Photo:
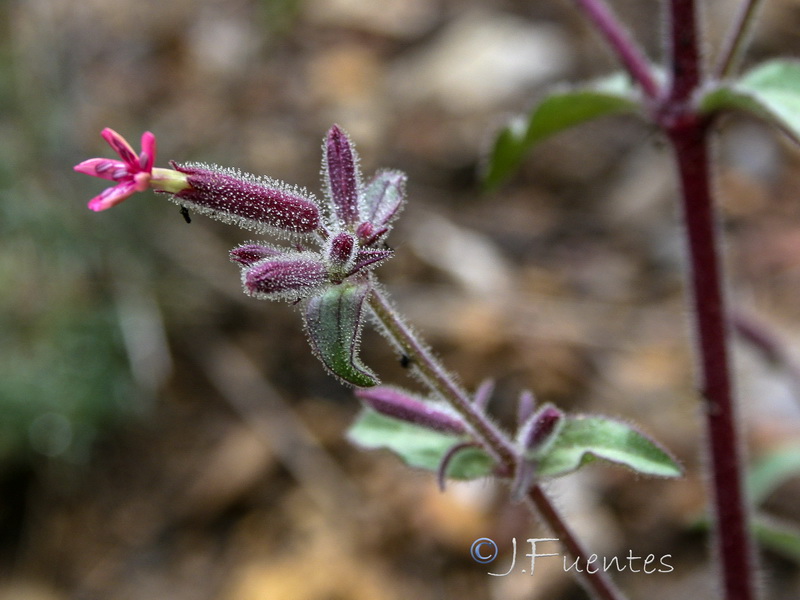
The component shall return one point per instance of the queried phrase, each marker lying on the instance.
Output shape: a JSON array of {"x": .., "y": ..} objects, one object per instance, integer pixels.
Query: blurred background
[{"x": 162, "y": 435}]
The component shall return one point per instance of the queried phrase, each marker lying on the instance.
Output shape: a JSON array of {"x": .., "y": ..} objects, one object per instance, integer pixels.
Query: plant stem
[
  {"x": 437, "y": 377},
  {"x": 688, "y": 133},
  {"x": 727, "y": 493},
  {"x": 737, "y": 39},
  {"x": 769, "y": 343},
  {"x": 684, "y": 53},
  {"x": 629, "y": 53},
  {"x": 598, "y": 584},
  {"x": 490, "y": 437}
]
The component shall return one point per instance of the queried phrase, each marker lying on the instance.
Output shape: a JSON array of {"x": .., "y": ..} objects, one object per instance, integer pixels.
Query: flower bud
[
  {"x": 340, "y": 166},
  {"x": 250, "y": 202},
  {"x": 249, "y": 254},
  {"x": 397, "y": 404},
  {"x": 541, "y": 430},
  {"x": 288, "y": 277},
  {"x": 341, "y": 251}
]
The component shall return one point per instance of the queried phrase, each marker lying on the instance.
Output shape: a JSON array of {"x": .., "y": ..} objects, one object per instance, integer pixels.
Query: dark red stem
[
  {"x": 733, "y": 539},
  {"x": 684, "y": 52},
  {"x": 688, "y": 134}
]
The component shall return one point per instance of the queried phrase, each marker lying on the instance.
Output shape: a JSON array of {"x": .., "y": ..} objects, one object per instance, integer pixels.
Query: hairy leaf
[
  {"x": 383, "y": 197},
  {"x": 418, "y": 446},
  {"x": 555, "y": 112},
  {"x": 585, "y": 439},
  {"x": 333, "y": 320}
]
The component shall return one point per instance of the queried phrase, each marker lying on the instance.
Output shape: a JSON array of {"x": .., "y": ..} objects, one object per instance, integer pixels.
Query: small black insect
[
  {"x": 405, "y": 361},
  {"x": 185, "y": 214}
]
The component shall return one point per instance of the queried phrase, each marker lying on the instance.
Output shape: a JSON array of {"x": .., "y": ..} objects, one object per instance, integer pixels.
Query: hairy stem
[
  {"x": 628, "y": 52},
  {"x": 487, "y": 434},
  {"x": 598, "y": 584},
  {"x": 684, "y": 51},
  {"x": 437, "y": 377},
  {"x": 724, "y": 446},
  {"x": 688, "y": 134},
  {"x": 738, "y": 37}
]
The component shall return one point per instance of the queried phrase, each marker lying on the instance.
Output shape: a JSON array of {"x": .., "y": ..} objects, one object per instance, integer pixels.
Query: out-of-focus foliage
[{"x": 63, "y": 371}]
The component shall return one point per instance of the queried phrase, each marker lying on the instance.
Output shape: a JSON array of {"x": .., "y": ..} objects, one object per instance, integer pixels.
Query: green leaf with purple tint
[
  {"x": 582, "y": 440},
  {"x": 333, "y": 320},
  {"x": 418, "y": 446}
]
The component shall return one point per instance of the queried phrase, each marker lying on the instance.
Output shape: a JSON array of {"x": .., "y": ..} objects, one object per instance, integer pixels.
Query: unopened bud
[
  {"x": 249, "y": 254},
  {"x": 341, "y": 252},
  {"x": 287, "y": 277},
  {"x": 341, "y": 170},
  {"x": 541, "y": 430},
  {"x": 398, "y": 404}
]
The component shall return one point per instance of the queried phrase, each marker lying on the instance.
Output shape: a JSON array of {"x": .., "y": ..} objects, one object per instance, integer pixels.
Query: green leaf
[
  {"x": 555, "y": 112},
  {"x": 584, "y": 439},
  {"x": 772, "y": 471},
  {"x": 333, "y": 320},
  {"x": 418, "y": 446},
  {"x": 770, "y": 91},
  {"x": 780, "y": 537}
]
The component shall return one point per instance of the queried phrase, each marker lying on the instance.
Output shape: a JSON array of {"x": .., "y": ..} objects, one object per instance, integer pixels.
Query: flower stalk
[{"x": 490, "y": 437}]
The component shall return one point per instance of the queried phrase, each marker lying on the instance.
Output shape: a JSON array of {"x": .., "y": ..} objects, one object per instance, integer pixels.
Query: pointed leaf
[
  {"x": 770, "y": 91},
  {"x": 584, "y": 439},
  {"x": 557, "y": 111},
  {"x": 418, "y": 446},
  {"x": 333, "y": 320}
]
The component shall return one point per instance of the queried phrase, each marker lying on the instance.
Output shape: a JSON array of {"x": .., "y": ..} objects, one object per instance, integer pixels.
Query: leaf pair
[
  {"x": 770, "y": 91},
  {"x": 581, "y": 440}
]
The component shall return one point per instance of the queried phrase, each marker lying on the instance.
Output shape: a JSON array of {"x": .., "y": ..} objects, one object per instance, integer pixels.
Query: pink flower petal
[
  {"x": 100, "y": 167},
  {"x": 148, "y": 156},
  {"x": 120, "y": 146},
  {"x": 112, "y": 196}
]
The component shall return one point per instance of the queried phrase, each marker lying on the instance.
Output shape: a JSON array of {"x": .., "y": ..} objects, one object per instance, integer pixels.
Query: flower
[
  {"x": 347, "y": 232},
  {"x": 133, "y": 173},
  {"x": 257, "y": 203}
]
